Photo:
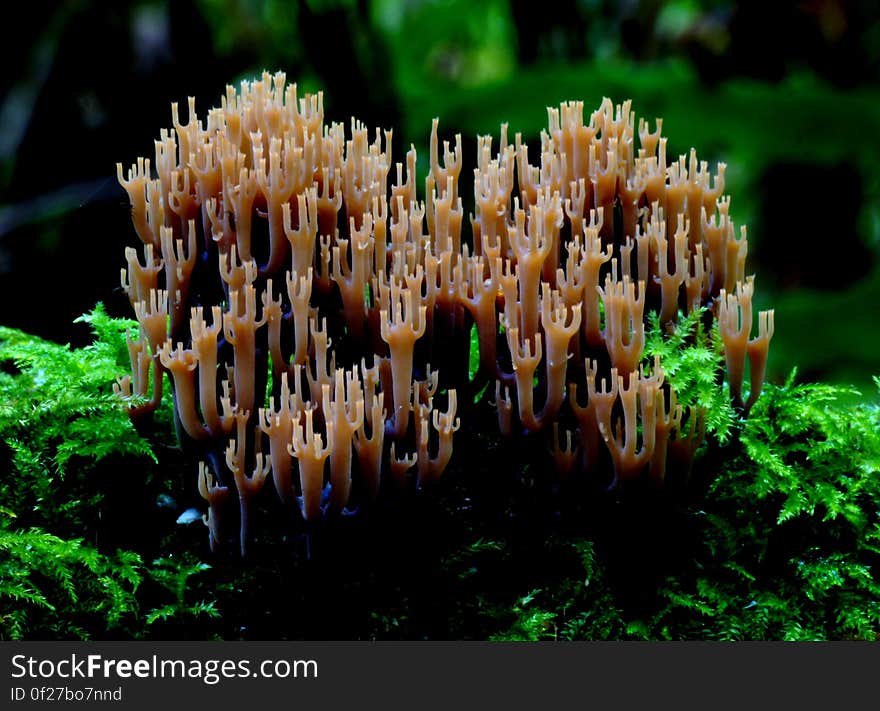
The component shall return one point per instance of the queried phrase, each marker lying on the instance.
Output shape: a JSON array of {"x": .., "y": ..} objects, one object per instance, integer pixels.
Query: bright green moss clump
[
  {"x": 789, "y": 531},
  {"x": 782, "y": 543},
  {"x": 71, "y": 460}
]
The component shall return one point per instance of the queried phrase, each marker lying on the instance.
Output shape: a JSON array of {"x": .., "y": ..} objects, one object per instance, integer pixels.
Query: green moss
[
  {"x": 59, "y": 418},
  {"x": 174, "y": 574},
  {"x": 59, "y": 422},
  {"x": 776, "y": 535},
  {"x": 693, "y": 363},
  {"x": 786, "y": 536},
  {"x": 782, "y": 541},
  {"x": 52, "y": 588}
]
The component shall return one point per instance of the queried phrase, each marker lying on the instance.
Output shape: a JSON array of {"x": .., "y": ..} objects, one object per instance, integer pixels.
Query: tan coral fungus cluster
[{"x": 307, "y": 311}]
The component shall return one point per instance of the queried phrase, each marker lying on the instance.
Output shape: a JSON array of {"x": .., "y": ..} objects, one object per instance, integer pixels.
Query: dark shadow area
[{"x": 813, "y": 244}]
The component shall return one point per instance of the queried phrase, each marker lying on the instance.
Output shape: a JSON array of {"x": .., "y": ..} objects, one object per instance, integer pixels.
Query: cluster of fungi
[{"x": 304, "y": 313}]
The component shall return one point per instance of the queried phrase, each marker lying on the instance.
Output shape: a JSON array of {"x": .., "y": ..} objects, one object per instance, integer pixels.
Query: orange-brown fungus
[{"x": 315, "y": 316}]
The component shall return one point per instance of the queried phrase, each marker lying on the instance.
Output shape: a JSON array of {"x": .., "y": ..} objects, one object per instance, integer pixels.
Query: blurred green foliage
[
  {"x": 464, "y": 63},
  {"x": 725, "y": 79}
]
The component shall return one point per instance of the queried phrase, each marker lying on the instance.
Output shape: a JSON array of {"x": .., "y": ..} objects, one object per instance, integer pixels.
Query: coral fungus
[{"x": 311, "y": 310}]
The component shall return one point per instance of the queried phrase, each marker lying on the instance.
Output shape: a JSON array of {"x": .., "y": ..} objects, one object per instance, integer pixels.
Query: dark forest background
[{"x": 788, "y": 94}]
